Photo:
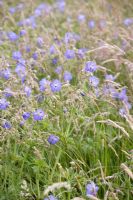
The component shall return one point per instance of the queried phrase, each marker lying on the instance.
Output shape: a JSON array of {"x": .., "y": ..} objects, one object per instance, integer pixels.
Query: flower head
[
  {"x": 91, "y": 189},
  {"x": 69, "y": 54},
  {"x": 16, "y": 55},
  {"x": 53, "y": 139},
  {"x": 6, "y": 73},
  {"x": 55, "y": 85},
  {"x": 90, "y": 67},
  {"x": 12, "y": 36},
  {"x": 27, "y": 91},
  {"x": 6, "y": 125},
  {"x": 38, "y": 115},
  {"x": 67, "y": 76},
  {"x": 91, "y": 24},
  {"x": 94, "y": 81},
  {"x": 50, "y": 197},
  {"x": 42, "y": 84},
  {"x": 3, "y": 104},
  {"x": 26, "y": 115},
  {"x": 81, "y": 18}
]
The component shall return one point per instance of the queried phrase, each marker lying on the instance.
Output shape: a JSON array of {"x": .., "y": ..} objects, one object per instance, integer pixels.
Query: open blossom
[
  {"x": 38, "y": 115},
  {"x": 6, "y": 125},
  {"x": 26, "y": 115},
  {"x": 42, "y": 84},
  {"x": 69, "y": 54},
  {"x": 50, "y": 197},
  {"x": 53, "y": 139},
  {"x": 55, "y": 85},
  {"x": 67, "y": 76},
  {"x": 16, "y": 55},
  {"x": 12, "y": 36},
  {"x": 91, "y": 24},
  {"x": 3, "y": 104},
  {"x": 90, "y": 66},
  {"x": 91, "y": 189},
  {"x": 94, "y": 81}
]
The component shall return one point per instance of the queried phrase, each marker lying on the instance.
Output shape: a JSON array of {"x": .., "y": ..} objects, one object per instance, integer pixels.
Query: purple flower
[
  {"x": 40, "y": 42},
  {"x": 67, "y": 76},
  {"x": 94, "y": 81},
  {"x": 8, "y": 92},
  {"x": 55, "y": 85},
  {"x": 52, "y": 49},
  {"x": 91, "y": 24},
  {"x": 61, "y": 5},
  {"x": 53, "y": 139},
  {"x": 128, "y": 21},
  {"x": 3, "y": 104},
  {"x": 6, "y": 73},
  {"x": 50, "y": 197},
  {"x": 122, "y": 112},
  {"x": 91, "y": 189},
  {"x": 6, "y": 125},
  {"x": 16, "y": 55},
  {"x": 22, "y": 32},
  {"x": 12, "y": 36},
  {"x": 27, "y": 91},
  {"x": 109, "y": 77},
  {"x": 122, "y": 95},
  {"x": 90, "y": 67},
  {"x": 55, "y": 60},
  {"x": 28, "y": 49},
  {"x": 12, "y": 10},
  {"x": 58, "y": 70},
  {"x": 43, "y": 83},
  {"x": 81, "y": 18},
  {"x": 38, "y": 115},
  {"x": 81, "y": 52},
  {"x": 35, "y": 55},
  {"x": 26, "y": 115},
  {"x": 21, "y": 72},
  {"x": 70, "y": 54}
]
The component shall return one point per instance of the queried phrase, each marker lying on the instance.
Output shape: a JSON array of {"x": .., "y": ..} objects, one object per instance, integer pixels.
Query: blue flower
[
  {"x": 55, "y": 85},
  {"x": 6, "y": 125},
  {"x": 12, "y": 36},
  {"x": 8, "y": 92},
  {"x": 21, "y": 71},
  {"x": 40, "y": 42},
  {"x": 94, "y": 81},
  {"x": 91, "y": 189},
  {"x": 50, "y": 197},
  {"x": 22, "y": 32},
  {"x": 6, "y": 73},
  {"x": 12, "y": 10},
  {"x": 3, "y": 104},
  {"x": 27, "y": 91},
  {"x": 122, "y": 112},
  {"x": 81, "y": 18},
  {"x": 58, "y": 70},
  {"x": 26, "y": 115},
  {"x": 35, "y": 55},
  {"x": 70, "y": 54},
  {"x": 109, "y": 77},
  {"x": 90, "y": 67},
  {"x": 67, "y": 76},
  {"x": 61, "y": 5},
  {"x": 42, "y": 84},
  {"x": 38, "y": 115},
  {"x": 16, "y": 55},
  {"x": 52, "y": 49},
  {"x": 55, "y": 60},
  {"x": 128, "y": 21},
  {"x": 53, "y": 139},
  {"x": 91, "y": 24}
]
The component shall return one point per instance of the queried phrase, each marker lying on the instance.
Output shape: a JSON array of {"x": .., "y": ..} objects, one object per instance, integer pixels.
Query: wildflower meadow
[{"x": 66, "y": 95}]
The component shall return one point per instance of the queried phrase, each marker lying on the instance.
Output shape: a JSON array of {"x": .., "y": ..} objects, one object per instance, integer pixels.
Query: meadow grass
[{"x": 95, "y": 141}]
